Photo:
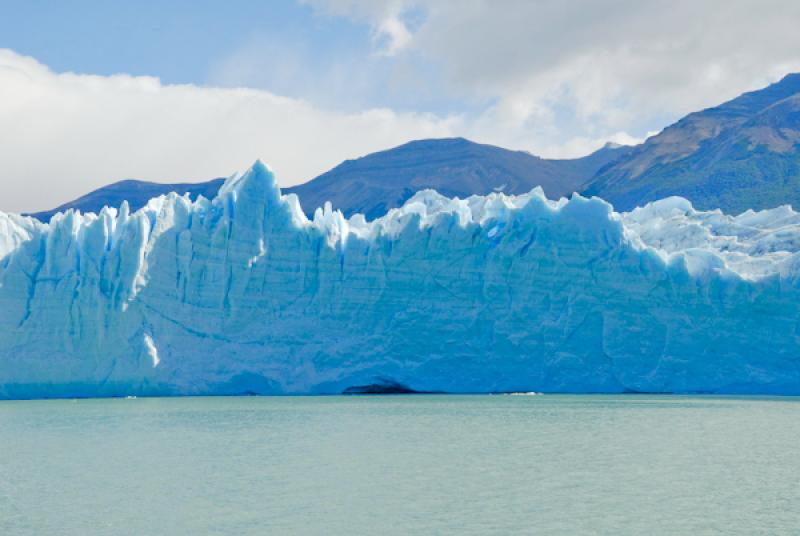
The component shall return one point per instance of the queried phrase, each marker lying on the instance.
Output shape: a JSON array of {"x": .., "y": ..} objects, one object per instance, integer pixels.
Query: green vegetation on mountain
[{"x": 739, "y": 155}]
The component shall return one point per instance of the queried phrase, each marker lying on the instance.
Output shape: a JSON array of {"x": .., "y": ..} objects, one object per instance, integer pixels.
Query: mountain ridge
[
  {"x": 740, "y": 154},
  {"x": 137, "y": 193},
  {"x": 376, "y": 182}
]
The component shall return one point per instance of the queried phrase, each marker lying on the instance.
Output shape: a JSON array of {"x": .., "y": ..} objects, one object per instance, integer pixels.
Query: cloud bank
[{"x": 559, "y": 76}]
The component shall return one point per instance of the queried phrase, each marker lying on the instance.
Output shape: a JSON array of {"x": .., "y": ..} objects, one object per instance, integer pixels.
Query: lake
[{"x": 406, "y": 464}]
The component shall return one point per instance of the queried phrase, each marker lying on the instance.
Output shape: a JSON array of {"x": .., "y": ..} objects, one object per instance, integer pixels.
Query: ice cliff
[{"x": 244, "y": 294}]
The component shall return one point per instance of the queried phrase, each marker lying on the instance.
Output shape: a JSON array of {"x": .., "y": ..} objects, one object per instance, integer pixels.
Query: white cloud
[
  {"x": 557, "y": 72},
  {"x": 385, "y": 16},
  {"x": 394, "y": 30},
  {"x": 62, "y": 135}
]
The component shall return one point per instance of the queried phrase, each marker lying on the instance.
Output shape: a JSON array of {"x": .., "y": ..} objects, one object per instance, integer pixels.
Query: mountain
[
  {"x": 742, "y": 154},
  {"x": 454, "y": 167},
  {"x": 243, "y": 295},
  {"x": 383, "y": 180},
  {"x": 136, "y": 193}
]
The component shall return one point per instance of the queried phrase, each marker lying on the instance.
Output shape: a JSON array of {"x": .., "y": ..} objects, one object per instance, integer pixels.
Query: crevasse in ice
[{"x": 244, "y": 294}]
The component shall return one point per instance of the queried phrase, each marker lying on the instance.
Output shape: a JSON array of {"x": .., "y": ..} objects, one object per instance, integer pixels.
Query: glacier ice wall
[{"x": 244, "y": 294}]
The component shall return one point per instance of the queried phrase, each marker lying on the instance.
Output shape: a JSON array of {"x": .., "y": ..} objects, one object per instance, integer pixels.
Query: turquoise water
[{"x": 401, "y": 465}]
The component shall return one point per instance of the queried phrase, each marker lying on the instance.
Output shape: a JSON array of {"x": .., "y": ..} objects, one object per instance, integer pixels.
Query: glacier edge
[{"x": 244, "y": 294}]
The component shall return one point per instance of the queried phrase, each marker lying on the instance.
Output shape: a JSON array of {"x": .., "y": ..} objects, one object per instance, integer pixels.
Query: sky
[{"x": 97, "y": 91}]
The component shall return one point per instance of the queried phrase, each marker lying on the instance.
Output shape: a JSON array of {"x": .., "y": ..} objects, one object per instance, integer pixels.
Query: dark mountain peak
[
  {"x": 434, "y": 143},
  {"x": 791, "y": 78},
  {"x": 436, "y": 148},
  {"x": 453, "y": 166},
  {"x": 610, "y": 145}
]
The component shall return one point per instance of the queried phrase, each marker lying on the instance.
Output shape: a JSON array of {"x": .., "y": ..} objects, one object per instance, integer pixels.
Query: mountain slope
[
  {"x": 742, "y": 154},
  {"x": 454, "y": 167},
  {"x": 136, "y": 193},
  {"x": 383, "y": 180},
  {"x": 739, "y": 155}
]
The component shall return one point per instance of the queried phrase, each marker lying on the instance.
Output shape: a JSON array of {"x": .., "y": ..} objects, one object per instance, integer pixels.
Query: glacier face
[{"x": 244, "y": 294}]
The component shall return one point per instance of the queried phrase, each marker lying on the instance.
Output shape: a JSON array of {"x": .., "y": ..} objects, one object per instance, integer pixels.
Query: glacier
[{"x": 243, "y": 294}]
